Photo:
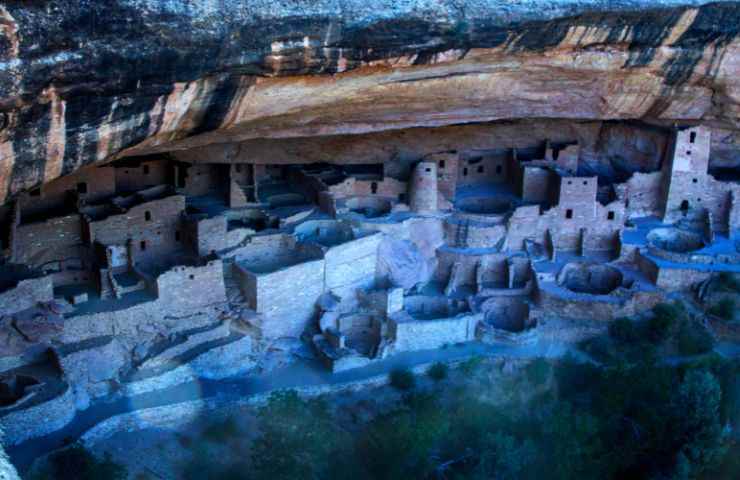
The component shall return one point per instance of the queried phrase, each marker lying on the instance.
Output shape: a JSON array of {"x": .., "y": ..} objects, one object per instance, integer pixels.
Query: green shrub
[
  {"x": 694, "y": 339},
  {"x": 726, "y": 282},
  {"x": 77, "y": 463},
  {"x": 660, "y": 324},
  {"x": 538, "y": 371},
  {"x": 402, "y": 379},
  {"x": 469, "y": 366},
  {"x": 222, "y": 431},
  {"x": 438, "y": 371},
  {"x": 624, "y": 330},
  {"x": 724, "y": 309}
]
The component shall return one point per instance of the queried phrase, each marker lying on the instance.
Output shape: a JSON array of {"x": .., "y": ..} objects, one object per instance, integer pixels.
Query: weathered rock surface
[{"x": 81, "y": 82}]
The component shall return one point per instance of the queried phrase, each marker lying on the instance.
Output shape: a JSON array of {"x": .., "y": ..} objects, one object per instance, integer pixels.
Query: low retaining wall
[{"x": 39, "y": 420}]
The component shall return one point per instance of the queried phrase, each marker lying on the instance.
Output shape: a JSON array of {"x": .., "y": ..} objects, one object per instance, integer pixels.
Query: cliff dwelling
[{"x": 345, "y": 197}]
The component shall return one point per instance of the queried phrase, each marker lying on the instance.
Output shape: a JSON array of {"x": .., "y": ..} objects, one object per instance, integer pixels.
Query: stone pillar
[{"x": 424, "y": 188}]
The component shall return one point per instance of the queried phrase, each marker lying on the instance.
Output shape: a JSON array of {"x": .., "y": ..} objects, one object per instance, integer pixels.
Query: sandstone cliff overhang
[{"x": 85, "y": 82}]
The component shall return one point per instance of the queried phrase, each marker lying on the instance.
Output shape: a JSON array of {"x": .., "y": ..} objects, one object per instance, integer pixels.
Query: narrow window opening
[
  {"x": 569, "y": 214},
  {"x": 465, "y": 172},
  {"x": 374, "y": 187},
  {"x": 442, "y": 164},
  {"x": 695, "y": 180},
  {"x": 82, "y": 187},
  {"x": 146, "y": 169},
  {"x": 428, "y": 170},
  {"x": 142, "y": 245},
  {"x": 688, "y": 152},
  {"x": 177, "y": 236},
  {"x": 610, "y": 216},
  {"x": 685, "y": 206},
  {"x": 402, "y": 197},
  {"x": 585, "y": 182},
  {"x": 692, "y": 137},
  {"x": 480, "y": 169},
  {"x": 192, "y": 277},
  {"x": 148, "y": 216},
  {"x": 499, "y": 169}
]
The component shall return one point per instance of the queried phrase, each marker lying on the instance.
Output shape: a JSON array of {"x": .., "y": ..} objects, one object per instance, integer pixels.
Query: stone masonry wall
[
  {"x": 152, "y": 228},
  {"x": 52, "y": 240},
  {"x": 642, "y": 194},
  {"x": 287, "y": 298},
  {"x": 189, "y": 288},
  {"x": 351, "y": 264},
  {"x": 412, "y": 335},
  {"x": 90, "y": 184},
  {"x": 145, "y": 175},
  {"x": 423, "y": 188}
]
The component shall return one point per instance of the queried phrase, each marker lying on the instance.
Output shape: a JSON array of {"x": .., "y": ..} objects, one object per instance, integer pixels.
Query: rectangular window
[
  {"x": 480, "y": 169},
  {"x": 148, "y": 216},
  {"x": 142, "y": 245},
  {"x": 465, "y": 172},
  {"x": 692, "y": 138},
  {"x": 146, "y": 169},
  {"x": 82, "y": 187},
  {"x": 177, "y": 236},
  {"x": 499, "y": 169},
  {"x": 610, "y": 216},
  {"x": 442, "y": 164},
  {"x": 569, "y": 214}
]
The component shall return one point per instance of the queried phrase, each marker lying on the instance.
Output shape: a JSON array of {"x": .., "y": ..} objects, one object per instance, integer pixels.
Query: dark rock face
[{"x": 82, "y": 82}]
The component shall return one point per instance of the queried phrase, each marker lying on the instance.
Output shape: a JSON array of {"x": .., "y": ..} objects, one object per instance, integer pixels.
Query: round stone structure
[
  {"x": 590, "y": 278},
  {"x": 675, "y": 240}
]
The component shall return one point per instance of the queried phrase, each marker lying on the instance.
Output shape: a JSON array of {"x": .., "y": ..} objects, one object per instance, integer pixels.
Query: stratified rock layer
[{"x": 83, "y": 82}]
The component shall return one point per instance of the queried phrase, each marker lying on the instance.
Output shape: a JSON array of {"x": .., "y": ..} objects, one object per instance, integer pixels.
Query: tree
[
  {"x": 298, "y": 439},
  {"x": 697, "y": 407}
]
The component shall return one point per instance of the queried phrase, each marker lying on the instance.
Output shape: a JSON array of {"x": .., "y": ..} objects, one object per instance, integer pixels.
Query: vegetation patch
[
  {"x": 438, "y": 371},
  {"x": 402, "y": 379}
]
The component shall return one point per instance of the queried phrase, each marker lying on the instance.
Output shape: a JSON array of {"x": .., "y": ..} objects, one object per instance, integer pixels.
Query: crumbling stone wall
[{"x": 642, "y": 194}]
